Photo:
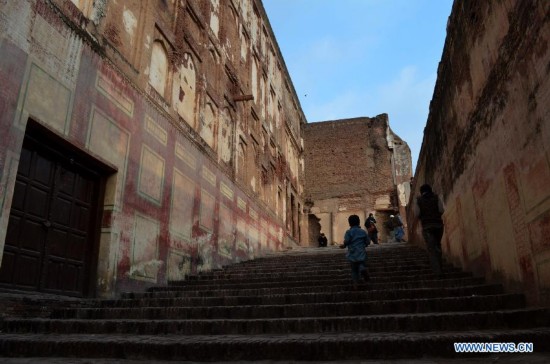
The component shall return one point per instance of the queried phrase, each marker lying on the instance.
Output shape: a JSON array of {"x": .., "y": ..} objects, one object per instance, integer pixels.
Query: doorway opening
[{"x": 52, "y": 240}]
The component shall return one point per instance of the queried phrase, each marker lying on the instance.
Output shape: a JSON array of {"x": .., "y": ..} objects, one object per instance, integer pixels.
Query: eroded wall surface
[
  {"x": 353, "y": 166},
  {"x": 486, "y": 145},
  {"x": 189, "y": 101}
]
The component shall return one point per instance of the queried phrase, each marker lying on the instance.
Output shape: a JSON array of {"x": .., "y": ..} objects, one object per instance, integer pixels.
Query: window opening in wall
[
  {"x": 298, "y": 215},
  {"x": 292, "y": 216},
  {"x": 314, "y": 229},
  {"x": 209, "y": 122},
  {"x": 185, "y": 90},
  {"x": 241, "y": 160},
  {"x": 254, "y": 79},
  {"x": 158, "y": 69}
]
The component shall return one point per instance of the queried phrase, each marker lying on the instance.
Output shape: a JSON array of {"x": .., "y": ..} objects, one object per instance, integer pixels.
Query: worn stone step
[
  {"x": 342, "y": 272},
  {"x": 289, "y": 307},
  {"x": 336, "y": 254},
  {"x": 295, "y": 347},
  {"x": 306, "y": 269},
  {"x": 327, "y": 255},
  {"x": 446, "y": 321},
  {"x": 294, "y": 298},
  {"x": 317, "y": 270},
  {"x": 281, "y": 268},
  {"x": 342, "y": 278},
  {"x": 259, "y": 289},
  {"x": 406, "y": 282},
  {"x": 332, "y": 291},
  {"x": 335, "y": 262},
  {"x": 480, "y": 303},
  {"x": 276, "y": 265}
]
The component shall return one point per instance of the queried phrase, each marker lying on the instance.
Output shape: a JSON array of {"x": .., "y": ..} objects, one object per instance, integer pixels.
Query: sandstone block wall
[{"x": 486, "y": 145}]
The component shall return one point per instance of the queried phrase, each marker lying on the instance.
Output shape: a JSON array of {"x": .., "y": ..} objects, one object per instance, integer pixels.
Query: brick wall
[{"x": 351, "y": 167}]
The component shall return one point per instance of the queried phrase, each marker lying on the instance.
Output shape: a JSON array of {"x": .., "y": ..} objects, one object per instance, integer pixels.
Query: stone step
[
  {"x": 335, "y": 263},
  {"x": 331, "y": 291},
  {"x": 295, "y": 347},
  {"x": 315, "y": 279},
  {"x": 372, "y": 250},
  {"x": 407, "y": 282},
  {"x": 337, "y": 255},
  {"x": 446, "y": 321},
  {"x": 298, "y": 306},
  {"x": 479, "y": 303},
  {"x": 345, "y": 272},
  {"x": 313, "y": 270},
  {"x": 293, "y": 298}
]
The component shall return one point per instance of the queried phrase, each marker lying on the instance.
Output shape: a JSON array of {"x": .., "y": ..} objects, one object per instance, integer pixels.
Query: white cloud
[
  {"x": 343, "y": 106},
  {"x": 323, "y": 50},
  {"x": 330, "y": 49},
  {"x": 406, "y": 99},
  {"x": 408, "y": 93}
]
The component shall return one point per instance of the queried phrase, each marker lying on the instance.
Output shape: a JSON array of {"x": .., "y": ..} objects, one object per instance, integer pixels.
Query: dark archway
[{"x": 314, "y": 229}]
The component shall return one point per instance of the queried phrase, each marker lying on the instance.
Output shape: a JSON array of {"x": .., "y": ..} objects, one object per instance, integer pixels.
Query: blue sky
[{"x": 353, "y": 58}]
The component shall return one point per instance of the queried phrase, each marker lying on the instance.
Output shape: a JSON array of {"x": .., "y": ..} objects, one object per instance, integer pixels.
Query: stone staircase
[{"x": 293, "y": 306}]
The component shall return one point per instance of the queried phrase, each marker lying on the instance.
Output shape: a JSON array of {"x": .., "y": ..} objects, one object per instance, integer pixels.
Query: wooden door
[{"x": 50, "y": 234}]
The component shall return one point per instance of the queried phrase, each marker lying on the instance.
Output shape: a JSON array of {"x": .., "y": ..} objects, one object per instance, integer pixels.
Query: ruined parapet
[{"x": 353, "y": 166}]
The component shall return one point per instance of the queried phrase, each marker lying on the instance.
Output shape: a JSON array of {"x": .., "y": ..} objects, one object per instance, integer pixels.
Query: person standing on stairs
[
  {"x": 429, "y": 209},
  {"x": 372, "y": 231},
  {"x": 322, "y": 240},
  {"x": 397, "y": 227},
  {"x": 356, "y": 240}
]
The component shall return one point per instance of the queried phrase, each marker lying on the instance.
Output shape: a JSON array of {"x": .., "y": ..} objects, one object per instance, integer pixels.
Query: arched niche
[
  {"x": 158, "y": 69},
  {"x": 184, "y": 91},
  {"x": 208, "y": 123},
  {"x": 225, "y": 132},
  {"x": 241, "y": 161},
  {"x": 254, "y": 78}
]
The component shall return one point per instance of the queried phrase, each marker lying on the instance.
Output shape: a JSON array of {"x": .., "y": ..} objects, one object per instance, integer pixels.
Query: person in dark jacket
[
  {"x": 397, "y": 227},
  {"x": 322, "y": 240},
  {"x": 356, "y": 240},
  {"x": 370, "y": 225},
  {"x": 429, "y": 209}
]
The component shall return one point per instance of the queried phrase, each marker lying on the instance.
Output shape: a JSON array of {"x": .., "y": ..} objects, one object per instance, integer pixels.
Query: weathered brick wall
[
  {"x": 486, "y": 145},
  {"x": 353, "y": 166}
]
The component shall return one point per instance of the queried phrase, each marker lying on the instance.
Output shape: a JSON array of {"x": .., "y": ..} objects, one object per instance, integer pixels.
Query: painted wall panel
[
  {"x": 145, "y": 262},
  {"x": 151, "y": 175},
  {"x": 47, "y": 99},
  {"x": 111, "y": 142},
  {"x": 183, "y": 198}
]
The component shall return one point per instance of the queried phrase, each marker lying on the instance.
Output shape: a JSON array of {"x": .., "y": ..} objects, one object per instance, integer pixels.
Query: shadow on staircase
[{"x": 288, "y": 307}]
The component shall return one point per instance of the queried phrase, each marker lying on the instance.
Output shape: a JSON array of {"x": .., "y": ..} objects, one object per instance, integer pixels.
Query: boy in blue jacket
[{"x": 356, "y": 240}]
